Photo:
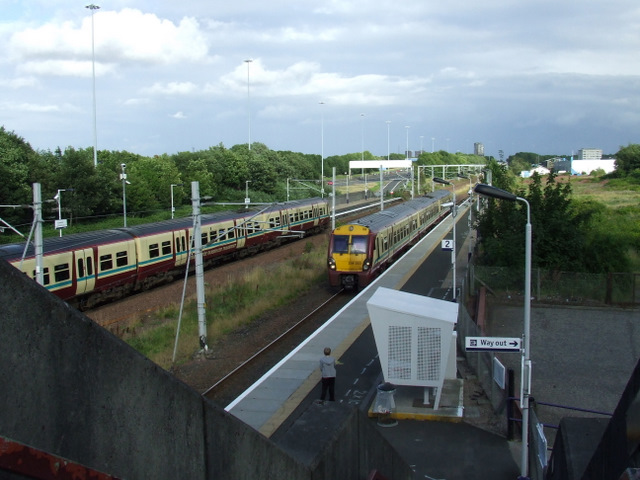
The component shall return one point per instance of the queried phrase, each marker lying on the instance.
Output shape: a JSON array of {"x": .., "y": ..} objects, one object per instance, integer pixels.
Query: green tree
[
  {"x": 16, "y": 158},
  {"x": 628, "y": 159}
]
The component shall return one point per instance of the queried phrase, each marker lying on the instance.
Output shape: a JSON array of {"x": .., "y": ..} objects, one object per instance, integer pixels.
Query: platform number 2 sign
[{"x": 447, "y": 244}]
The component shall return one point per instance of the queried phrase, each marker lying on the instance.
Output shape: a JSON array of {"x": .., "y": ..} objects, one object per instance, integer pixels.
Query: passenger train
[
  {"x": 88, "y": 269},
  {"x": 361, "y": 250}
]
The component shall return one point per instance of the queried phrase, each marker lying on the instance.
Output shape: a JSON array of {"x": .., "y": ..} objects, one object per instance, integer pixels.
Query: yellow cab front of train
[{"x": 350, "y": 256}]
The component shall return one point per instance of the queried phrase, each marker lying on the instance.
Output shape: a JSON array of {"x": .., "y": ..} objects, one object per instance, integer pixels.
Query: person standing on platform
[{"x": 328, "y": 369}]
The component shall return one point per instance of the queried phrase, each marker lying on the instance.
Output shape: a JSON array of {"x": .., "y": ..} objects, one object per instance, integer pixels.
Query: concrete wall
[{"x": 70, "y": 388}]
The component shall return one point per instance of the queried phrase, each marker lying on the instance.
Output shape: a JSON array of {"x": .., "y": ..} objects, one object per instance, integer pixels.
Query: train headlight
[
  {"x": 331, "y": 263},
  {"x": 366, "y": 265}
]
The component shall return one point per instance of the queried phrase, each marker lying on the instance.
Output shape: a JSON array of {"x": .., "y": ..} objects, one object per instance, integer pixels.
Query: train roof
[
  {"x": 66, "y": 242},
  {"x": 86, "y": 239},
  {"x": 379, "y": 220}
]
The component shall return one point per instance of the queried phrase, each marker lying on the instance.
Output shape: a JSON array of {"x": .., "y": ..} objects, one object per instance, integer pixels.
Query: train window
[
  {"x": 154, "y": 250},
  {"x": 385, "y": 244},
  {"x": 45, "y": 275},
  {"x": 340, "y": 243},
  {"x": 231, "y": 234},
  {"x": 61, "y": 272},
  {"x": 89, "y": 266},
  {"x": 106, "y": 262},
  {"x": 359, "y": 244},
  {"x": 122, "y": 259},
  {"x": 205, "y": 238},
  {"x": 80, "y": 268},
  {"x": 166, "y": 248}
]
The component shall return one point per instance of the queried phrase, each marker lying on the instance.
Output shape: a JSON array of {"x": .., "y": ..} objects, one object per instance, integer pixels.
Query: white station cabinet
[{"x": 415, "y": 338}]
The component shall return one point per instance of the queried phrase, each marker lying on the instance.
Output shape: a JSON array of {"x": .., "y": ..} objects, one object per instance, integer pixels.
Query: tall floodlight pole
[
  {"x": 407, "y": 127},
  {"x": 388, "y": 149},
  {"x": 93, "y": 7},
  {"x": 421, "y": 138},
  {"x": 453, "y": 243},
  {"x": 525, "y": 379},
  {"x": 362, "y": 135},
  {"x": 322, "y": 150},
  {"x": 248, "y": 62}
]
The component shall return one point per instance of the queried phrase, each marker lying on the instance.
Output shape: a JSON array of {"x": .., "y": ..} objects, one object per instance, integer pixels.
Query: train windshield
[
  {"x": 359, "y": 244},
  {"x": 350, "y": 244}
]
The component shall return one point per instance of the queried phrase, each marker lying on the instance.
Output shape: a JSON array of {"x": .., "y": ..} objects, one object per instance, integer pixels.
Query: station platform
[
  {"x": 409, "y": 403},
  {"x": 273, "y": 398}
]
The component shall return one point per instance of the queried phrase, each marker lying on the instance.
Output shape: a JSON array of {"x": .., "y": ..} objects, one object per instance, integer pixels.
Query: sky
[{"x": 326, "y": 77}]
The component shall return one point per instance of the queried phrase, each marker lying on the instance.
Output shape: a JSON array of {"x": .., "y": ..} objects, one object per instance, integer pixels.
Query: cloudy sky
[{"x": 544, "y": 76}]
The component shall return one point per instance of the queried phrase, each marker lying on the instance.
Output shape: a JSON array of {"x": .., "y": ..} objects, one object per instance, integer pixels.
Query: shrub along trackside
[{"x": 230, "y": 306}]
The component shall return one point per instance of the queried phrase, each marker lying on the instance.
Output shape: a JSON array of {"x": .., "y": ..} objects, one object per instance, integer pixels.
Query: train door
[
  {"x": 240, "y": 233},
  {"x": 85, "y": 271},
  {"x": 180, "y": 246},
  {"x": 316, "y": 215}
]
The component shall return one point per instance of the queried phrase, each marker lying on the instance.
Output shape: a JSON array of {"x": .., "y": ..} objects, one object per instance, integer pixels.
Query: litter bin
[{"x": 384, "y": 405}]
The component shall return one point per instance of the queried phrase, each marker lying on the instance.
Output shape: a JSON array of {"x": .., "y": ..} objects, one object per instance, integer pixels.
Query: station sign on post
[
  {"x": 447, "y": 244},
  {"x": 62, "y": 223},
  {"x": 493, "y": 344}
]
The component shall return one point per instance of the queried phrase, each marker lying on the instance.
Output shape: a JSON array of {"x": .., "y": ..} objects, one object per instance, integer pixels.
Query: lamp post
[
  {"x": 453, "y": 217},
  {"x": 246, "y": 193},
  {"x": 388, "y": 124},
  {"x": 172, "y": 207},
  {"x": 407, "y": 127},
  {"x": 248, "y": 62},
  {"x": 93, "y": 7},
  {"x": 525, "y": 380},
  {"x": 362, "y": 135},
  {"x": 58, "y": 198},
  {"x": 322, "y": 150},
  {"x": 123, "y": 177},
  {"x": 469, "y": 220}
]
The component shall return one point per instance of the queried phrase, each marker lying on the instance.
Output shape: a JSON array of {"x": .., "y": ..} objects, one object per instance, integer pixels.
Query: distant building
[
  {"x": 478, "y": 149},
  {"x": 539, "y": 170},
  {"x": 589, "y": 154}
]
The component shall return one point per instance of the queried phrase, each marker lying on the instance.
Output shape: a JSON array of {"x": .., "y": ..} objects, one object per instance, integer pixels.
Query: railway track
[{"x": 233, "y": 383}]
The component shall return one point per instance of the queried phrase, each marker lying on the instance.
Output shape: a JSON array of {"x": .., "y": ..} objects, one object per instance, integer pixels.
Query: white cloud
[{"x": 127, "y": 37}]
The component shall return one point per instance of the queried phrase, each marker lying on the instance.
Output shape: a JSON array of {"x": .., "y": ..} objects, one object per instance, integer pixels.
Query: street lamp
[
  {"x": 58, "y": 198},
  {"x": 123, "y": 177},
  {"x": 453, "y": 217},
  {"x": 525, "y": 379},
  {"x": 362, "y": 136},
  {"x": 248, "y": 62},
  {"x": 322, "y": 151},
  {"x": 246, "y": 193},
  {"x": 469, "y": 220},
  {"x": 172, "y": 207},
  {"x": 93, "y": 7},
  {"x": 388, "y": 124},
  {"x": 407, "y": 127}
]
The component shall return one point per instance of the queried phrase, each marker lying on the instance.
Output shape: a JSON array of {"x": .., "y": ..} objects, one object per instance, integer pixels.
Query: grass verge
[{"x": 229, "y": 306}]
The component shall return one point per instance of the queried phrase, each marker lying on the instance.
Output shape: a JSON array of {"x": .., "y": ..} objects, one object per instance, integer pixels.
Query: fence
[{"x": 569, "y": 288}]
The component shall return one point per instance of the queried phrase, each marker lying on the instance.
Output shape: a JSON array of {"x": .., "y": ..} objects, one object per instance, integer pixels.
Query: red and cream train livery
[
  {"x": 87, "y": 269},
  {"x": 361, "y": 250}
]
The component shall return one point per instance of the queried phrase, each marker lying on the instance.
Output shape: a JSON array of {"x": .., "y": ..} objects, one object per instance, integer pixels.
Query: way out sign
[{"x": 493, "y": 344}]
